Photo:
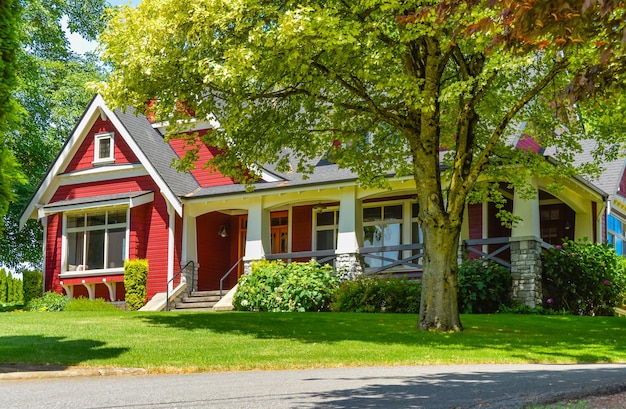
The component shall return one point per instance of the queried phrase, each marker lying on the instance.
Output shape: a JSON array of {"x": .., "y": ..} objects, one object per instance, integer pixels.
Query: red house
[{"x": 112, "y": 194}]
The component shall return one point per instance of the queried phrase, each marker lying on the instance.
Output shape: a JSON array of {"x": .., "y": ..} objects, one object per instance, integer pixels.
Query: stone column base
[
  {"x": 526, "y": 270},
  {"x": 349, "y": 266}
]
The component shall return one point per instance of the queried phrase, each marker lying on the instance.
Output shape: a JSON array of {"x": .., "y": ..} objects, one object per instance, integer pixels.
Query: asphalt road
[{"x": 471, "y": 386}]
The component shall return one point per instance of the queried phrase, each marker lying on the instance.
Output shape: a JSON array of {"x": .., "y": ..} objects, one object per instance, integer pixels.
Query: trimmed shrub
[
  {"x": 276, "y": 286},
  {"x": 32, "y": 283},
  {"x": 85, "y": 304},
  {"x": 378, "y": 294},
  {"x": 484, "y": 287},
  {"x": 3, "y": 286},
  {"x": 135, "y": 283},
  {"x": 50, "y": 301},
  {"x": 583, "y": 278}
]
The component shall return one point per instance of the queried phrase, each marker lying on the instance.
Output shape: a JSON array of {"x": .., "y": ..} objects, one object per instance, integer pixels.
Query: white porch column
[
  {"x": 584, "y": 226},
  {"x": 528, "y": 211},
  {"x": 258, "y": 237},
  {"x": 112, "y": 289},
  {"x": 190, "y": 249},
  {"x": 348, "y": 262}
]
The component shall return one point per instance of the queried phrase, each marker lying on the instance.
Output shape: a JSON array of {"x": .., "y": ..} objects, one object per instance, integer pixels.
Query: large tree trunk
[{"x": 439, "y": 306}]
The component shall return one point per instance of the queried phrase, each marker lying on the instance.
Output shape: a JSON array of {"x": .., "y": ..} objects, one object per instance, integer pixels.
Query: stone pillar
[
  {"x": 348, "y": 264},
  {"x": 526, "y": 270}
]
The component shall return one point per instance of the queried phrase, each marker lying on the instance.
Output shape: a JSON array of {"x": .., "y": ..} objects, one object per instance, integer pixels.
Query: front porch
[{"x": 375, "y": 232}]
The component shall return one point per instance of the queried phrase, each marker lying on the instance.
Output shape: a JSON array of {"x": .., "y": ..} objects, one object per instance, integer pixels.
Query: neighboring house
[{"x": 113, "y": 195}]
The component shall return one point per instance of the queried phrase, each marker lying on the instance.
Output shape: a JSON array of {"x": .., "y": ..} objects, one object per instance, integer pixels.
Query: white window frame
[
  {"x": 334, "y": 227},
  {"x": 406, "y": 222},
  {"x": 82, "y": 270},
  {"x": 98, "y": 138}
]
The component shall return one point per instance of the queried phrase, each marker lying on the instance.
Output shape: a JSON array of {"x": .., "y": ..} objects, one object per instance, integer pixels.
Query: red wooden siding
[
  {"x": 148, "y": 229},
  {"x": 475, "y": 220},
  {"x": 528, "y": 143},
  {"x": 213, "y": 250},
  {"x": 157, "y": 246},
  {"x": 205, "y": 177},
  {"x": 84, "y": 155},
  {"x": 302, "y": 229},
  {"x": 53, "y": 252},
  {"x": 475, "y": 223},
  {"x": 105, "y": 187}
]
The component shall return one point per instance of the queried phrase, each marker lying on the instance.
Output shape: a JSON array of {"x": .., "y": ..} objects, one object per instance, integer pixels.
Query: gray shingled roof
[
  {"x": 160, "y": 154},
  {"x": 97, "y": 199}
]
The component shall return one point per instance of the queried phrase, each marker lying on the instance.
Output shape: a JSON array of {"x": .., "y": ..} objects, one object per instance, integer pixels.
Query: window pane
[
  {"x": 371, "y": 214},
  {"x": 325, "y": 240},
  {"x": 414, "y": 210},
  {"x": 77, "y": 220},
  {"x": 115, "y": 253},
  {"x": 326, "y": 219},
  {"x": 393, "y": 212},
  {"x": 95, "y": 250},
  {"x": 75, "y": 250},
  {"x": 96, "y": 219},
  {"x": 117, "y": 216},
  {"x": 416, "y": 233},
  {"x": 104, "y": 148}
]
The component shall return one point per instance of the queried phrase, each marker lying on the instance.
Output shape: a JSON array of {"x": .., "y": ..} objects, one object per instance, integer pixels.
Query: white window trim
[
  {"x": 616, "y": 235},
  {"x": 80, "y": 269},
  {"x": 96, "y": 150},
  {"x": 334, "y": 227}
]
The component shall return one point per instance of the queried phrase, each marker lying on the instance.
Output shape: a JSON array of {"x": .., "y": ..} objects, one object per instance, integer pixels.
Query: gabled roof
[
  {"x": 146, "y": 143},
  {"x": 157, "y": 152}
]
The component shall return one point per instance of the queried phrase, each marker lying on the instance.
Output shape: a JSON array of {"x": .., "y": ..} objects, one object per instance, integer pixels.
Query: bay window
[{"x": 96, "y": 240}]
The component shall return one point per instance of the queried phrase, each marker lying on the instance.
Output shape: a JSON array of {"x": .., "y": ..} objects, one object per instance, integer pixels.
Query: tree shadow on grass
[
  {"x": 532, "y": 339},
  {"x": 39, "y": 353}
]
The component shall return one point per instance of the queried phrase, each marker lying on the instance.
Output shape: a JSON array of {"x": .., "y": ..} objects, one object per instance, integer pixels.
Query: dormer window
[{"x": 103, "y": 148}]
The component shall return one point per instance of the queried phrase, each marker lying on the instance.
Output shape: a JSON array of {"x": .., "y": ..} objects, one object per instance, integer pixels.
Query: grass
[{"x": 186, "y": 342}]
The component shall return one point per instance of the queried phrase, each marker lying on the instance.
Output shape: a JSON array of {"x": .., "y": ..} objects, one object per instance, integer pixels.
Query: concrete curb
[{"x": 71, "y": 372}]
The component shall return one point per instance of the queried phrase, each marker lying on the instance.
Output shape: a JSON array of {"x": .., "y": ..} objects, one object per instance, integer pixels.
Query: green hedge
[
  {"x": 32, "y": 282},
  {"x": 378, "y": 294},
  {"x": 484, "y": 287},
  {"x": 583, "y": 278},
  {"x": 276, "y": 286},
  {"x": 50, "y": 301},
  {"x": 10, "y": 288},
  {"x": 135, "y": 283}
]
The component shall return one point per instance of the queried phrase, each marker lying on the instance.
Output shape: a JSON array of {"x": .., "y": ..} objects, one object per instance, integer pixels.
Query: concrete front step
[
  {"x": 188, "y": 305},
  {"x": 211, "y": 293},
  {"x": 210, "y": 298}
]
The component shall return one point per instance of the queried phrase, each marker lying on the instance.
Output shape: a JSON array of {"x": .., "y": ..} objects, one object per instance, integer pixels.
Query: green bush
[
  {"x": 135, "y": 283},
  {"x": 85, "y": 304},
  {"x": 10, "y": 288},
  {"x": 583, "y": 278},
  {"x": 50, "y": 301},
  {"x": 484, "y": 287},
  {"x": 276, "y": 286},
  {"x": 32, "y": 283},
  {"x": 378, "y": 294}
]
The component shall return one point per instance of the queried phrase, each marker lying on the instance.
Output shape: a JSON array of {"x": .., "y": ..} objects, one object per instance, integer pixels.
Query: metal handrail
[
  {"x": 167, "y": 287},
  {"x": 230, "y": 270}
]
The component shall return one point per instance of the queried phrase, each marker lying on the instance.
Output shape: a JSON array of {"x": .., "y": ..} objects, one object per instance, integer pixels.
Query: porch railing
[
  {"x": 227, "y": 274},
  {"x": 411, "y": 262},
  {"x": 178, "y": 275},
  {"x": 503, "y": 243},
  {"x": 321, "y": 256}
]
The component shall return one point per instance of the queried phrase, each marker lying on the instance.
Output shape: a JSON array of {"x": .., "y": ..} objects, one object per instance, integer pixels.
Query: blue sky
[{"x": 79, "y": 44}]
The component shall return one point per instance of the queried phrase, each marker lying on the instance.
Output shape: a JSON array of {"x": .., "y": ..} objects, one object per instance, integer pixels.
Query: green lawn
[{"x": 162, "y": 342}]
